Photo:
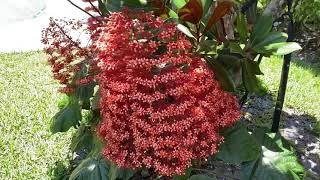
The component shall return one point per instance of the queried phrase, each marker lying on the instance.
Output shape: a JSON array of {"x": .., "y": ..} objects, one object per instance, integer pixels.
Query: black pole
[{"x": 284, "y": 75}]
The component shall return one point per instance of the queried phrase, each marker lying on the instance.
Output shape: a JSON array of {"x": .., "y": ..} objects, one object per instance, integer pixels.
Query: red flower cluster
[
  {"x": 160, "y": 104},
  {"x": 66, "y": 54},
  {"x": 64, "y": 51}
]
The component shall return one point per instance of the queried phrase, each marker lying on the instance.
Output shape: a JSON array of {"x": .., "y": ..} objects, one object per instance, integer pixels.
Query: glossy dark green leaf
[
  {"x": 91, "y": 169},
  {"x": 222, "y": 75},
  {"x": 66, "y": 118},
  {"x": 239, "y": 146},
  {"x": 201, "y": 177},
  {"x": 120, "y": 173},
  {"x": 282, "y": 48},
  {"x": 277, "y": 161},
  {"x": 261, "y": 29},
  {"x": 242, "y": 27},
  {"x": 271, "y": 38}
]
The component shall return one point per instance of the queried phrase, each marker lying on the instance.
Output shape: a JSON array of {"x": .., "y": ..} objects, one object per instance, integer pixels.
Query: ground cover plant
[
  {"x": 152, "y": 91},
  {"x": 28, "y": 101}
]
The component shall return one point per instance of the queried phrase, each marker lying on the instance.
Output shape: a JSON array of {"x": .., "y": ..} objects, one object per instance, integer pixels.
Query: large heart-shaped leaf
[
  {"x": 191, "y": 12},
  {"x": 119, "y": 173},
  {"x": 91, "y": 169},
  {"x": 276, "y": 162},
  {"x": 66, "y": 118},
  {"x": 239, "y": 146}
]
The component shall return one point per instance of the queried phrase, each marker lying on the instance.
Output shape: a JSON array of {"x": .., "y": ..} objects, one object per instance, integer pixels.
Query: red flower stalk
[{"x": 160, "y": 105}]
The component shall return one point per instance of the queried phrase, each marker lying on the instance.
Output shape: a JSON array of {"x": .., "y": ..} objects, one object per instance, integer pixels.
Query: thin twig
[
  {"x": 64, "y": 33},
  {"x": 80, "y": 9},
  {"x": 95, "y": 8}
]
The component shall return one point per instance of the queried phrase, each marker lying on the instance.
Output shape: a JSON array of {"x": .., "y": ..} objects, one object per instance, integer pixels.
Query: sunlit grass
[
  {"x": 303, "y": 90},
  {"x": 28, "y": 96}
]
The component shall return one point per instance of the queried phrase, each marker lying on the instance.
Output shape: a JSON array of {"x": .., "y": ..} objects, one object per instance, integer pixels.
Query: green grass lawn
[
  {"x": 303, "y": 90},
  {"x": 28, "y": 97}
]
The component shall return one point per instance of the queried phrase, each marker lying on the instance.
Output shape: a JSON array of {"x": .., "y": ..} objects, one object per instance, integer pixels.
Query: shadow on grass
[
  {"x": 313, "y": 66},
  {"x": 296, "y": 127}
]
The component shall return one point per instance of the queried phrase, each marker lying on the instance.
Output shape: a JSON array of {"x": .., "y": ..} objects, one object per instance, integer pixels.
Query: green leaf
[
  {"x": 91, "y": 169},
  {"x": 242, "y": 27},
  {"x": 84, "y": 93},
  {"x": 185, "y": 30},
  {"x": 205, "y": 5},
  {"x": 249, "y": 72},
  {"x": 103, "y": 8},
  {"x": 261, "y": 29},
  {"x": 119, "y": 173},
  {"x": 236, "y": 48},
  {"x": 173, "y": 14},
  {"x": 201, "y": 177},
  {"x": 222, "y": 75},
  {"x": 276, "y": 162},
  {"x": 273, "y": 166},
  {"x": 271, "y": 38},
  {"x": 66, "y": 118},
  {"x": 237, "y": 138},
  {"x": 283, "y": 48},
  {"x": 179, "y": 3},
  {"x": 63, "y": 102},
  {"x": 208, "y": 47},
  {"x": 83, "y": 139}
]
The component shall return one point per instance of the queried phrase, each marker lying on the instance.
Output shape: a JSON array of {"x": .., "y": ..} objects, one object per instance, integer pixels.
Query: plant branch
[
  {"x": 95, "y": 8},
  {"x": 81, "y": 9}
]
